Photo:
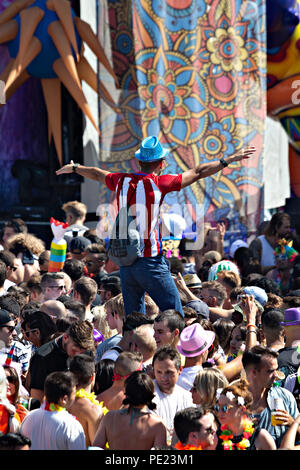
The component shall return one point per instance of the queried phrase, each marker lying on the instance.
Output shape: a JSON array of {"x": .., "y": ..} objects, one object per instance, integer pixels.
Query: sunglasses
[
  {"x": 223, "y": 408},
  {"x": 13, "y": 268},
  {"x": 57, "y": 287},
  {"x": 10, "y": 328},
  {"x": 11, "y": 379},
  {"x": 90, "y": 263},
  {"x": 27, "y": 333}
]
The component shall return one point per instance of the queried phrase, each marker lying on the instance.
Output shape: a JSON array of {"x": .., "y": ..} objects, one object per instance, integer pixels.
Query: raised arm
[
  {"x": 210, "y": 168},
  {"x": 289, "y": 438},
  {"x": 91, "y": 172}
]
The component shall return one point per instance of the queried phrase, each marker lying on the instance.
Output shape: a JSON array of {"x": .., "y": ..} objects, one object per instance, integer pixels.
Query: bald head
[{"x": 54, "y": 308}]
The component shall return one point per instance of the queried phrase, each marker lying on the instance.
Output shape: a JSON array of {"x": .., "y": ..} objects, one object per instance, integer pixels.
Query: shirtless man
[
  {"x": 134, "y": 427},
  {"x": 126, "y": 363},
  {"x": 85, "y": 408}
]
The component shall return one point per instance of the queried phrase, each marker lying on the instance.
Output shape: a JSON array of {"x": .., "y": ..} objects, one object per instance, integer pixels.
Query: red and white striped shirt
[{"x": 150, "y": 191}]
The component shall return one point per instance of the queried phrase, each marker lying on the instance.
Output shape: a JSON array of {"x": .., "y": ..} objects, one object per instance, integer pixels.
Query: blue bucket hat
[{"x": 151, "y": 150}]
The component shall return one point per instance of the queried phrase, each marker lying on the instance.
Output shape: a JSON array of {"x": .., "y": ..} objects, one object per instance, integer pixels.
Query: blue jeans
[{"x": 151, "y": 276}]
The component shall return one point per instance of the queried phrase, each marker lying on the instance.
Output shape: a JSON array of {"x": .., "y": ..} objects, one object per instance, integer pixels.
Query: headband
[{"x": 121, "y": 377}]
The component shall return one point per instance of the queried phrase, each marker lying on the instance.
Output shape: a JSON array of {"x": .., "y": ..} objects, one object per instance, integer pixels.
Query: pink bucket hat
[{"x": 194, "y": 340}]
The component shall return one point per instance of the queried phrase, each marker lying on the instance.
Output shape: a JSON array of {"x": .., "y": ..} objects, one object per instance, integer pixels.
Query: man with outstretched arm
[{"x": 146, "y": 190}]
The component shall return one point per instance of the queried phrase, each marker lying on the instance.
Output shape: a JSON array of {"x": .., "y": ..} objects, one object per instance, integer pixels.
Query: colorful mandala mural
[{"x": 195, "y": 76}]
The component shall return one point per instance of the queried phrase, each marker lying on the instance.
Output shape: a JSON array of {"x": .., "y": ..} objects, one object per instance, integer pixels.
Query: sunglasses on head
[{"x": 223, "y": 408}]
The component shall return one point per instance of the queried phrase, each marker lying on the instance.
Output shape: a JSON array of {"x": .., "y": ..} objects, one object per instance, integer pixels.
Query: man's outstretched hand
[
  {"x": 68, "y": 168},
  {"x": 243, "y": 154}
]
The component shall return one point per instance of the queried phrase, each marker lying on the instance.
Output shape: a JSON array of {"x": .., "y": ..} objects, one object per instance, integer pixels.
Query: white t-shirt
[
  {"x": 167, "y": 405},
  {"x": 51, "y": 430},
  {"x": 187, "y": 377},
  {"x": 112, "y": 354}
]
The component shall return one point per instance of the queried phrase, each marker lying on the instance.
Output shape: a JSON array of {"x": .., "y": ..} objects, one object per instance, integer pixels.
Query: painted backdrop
[
  {"x": 192, "y": 72},
  {"x": 23, "y": 130}
]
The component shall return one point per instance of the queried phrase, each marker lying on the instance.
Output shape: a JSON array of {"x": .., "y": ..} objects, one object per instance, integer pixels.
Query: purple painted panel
[{"x": 23, "y": 130}]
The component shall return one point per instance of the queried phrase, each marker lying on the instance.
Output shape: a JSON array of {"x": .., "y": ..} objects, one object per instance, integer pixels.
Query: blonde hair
[
  {"x": 206, "y": 382},
  {"x": 143, "y": 337},
  {"x": 100, "y": 322},
  {"x": 229, "y": 278},
  {"x": 116, "y": 304},
  {"x": 77, "y": 209}
]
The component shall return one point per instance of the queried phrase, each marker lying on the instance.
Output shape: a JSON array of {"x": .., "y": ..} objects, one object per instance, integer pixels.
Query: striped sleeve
[
  {"x": 169, "y": 183},
  {"x": 112, "y": 179}
]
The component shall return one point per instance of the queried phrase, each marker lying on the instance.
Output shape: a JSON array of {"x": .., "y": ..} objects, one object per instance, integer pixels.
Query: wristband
[
  {"x": 223, "y": 162},
  {"x": 251, "y": 331},
  {"x": 249, "y": 325},
  {"x": 75, "y": 166}
]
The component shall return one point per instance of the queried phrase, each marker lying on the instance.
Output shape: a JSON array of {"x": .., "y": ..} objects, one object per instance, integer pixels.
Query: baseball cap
[
  {"x": 235, "y": 245},
  {"x": 78, "y": 245},
  {"x": 4, "y": 317},
  {"x": 200, "y": 307}
]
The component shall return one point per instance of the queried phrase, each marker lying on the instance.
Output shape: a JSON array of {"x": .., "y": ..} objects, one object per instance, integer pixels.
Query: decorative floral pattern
[
  {"x": 172, "y": 100},
  {"x": 195, "y": 76}
]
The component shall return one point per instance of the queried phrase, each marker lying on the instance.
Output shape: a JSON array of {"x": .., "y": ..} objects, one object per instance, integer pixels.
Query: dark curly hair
[
  {"x": 139, "y": 390},
  {"x": 268, "y": 285}
]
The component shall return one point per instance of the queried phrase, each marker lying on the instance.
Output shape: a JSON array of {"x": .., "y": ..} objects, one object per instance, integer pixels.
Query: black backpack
[{"x": 124, "y": 243}]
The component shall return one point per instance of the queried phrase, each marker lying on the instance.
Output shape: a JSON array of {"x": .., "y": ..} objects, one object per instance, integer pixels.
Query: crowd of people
[
  {"x": 81, "y": 370},
  {"x": 223, "y": 376}
]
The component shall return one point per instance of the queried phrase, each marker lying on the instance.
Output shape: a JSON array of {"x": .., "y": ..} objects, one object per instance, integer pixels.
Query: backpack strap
[{"x": 117, "y": 348}]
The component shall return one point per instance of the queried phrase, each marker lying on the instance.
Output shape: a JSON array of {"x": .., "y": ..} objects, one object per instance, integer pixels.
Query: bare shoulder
[
  {"x": 264, "y": 441},
  {"x": 155, "y": 420},
  {"x": 86, "y": 408}
]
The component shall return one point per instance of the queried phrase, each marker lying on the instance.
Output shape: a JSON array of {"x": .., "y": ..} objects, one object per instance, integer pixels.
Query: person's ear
[
  {"x": 176, "y": 332},
  {"x": 92, "y": 378},
  {"x": 193, "y": 437},
  {"x": 65, "y": 337},
  {"x": 63, "y": 401}
]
